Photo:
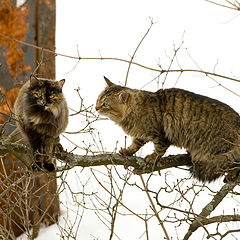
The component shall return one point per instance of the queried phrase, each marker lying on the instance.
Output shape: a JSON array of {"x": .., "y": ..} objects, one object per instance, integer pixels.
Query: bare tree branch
[
  {"x": 73, "y": 160},
  {"x": 234, "y": 5},
  {"x": 135, "y": 51},
  {"x": 122, "y": 60},
  {"x": 210, "y": 207},
  {"x": 7, "y": 147},
  {"x": 161, "y": 223}
]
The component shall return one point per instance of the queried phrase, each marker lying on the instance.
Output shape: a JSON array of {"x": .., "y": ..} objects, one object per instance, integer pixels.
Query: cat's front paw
[
  {"x": 126, "y": 152},
  {"x": 50, "y": 219},
  {"x": 40, "y": 166},
  {"x": 58, "y": 148},
  {"x": 151, "y": 159},
  {"x": 37, "y": 166},
  {"x": 50, "y": 167}
]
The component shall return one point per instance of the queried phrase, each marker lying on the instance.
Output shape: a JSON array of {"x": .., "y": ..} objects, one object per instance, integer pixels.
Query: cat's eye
[
  {"x": 52, "y": 97},
  {"x": 36, "y": 94},
  {"x": 105, "y": 105}
]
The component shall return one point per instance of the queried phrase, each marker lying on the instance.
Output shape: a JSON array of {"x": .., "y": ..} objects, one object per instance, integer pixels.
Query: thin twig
[
  {"x": 222, "y": 5},
  {"x": 135, "y": 51},
  {"x": 171, "y": 62},
  {"x": 154, "y": 209}
]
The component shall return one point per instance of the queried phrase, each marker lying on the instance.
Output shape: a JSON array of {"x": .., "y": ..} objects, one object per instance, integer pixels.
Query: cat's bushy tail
[
  {"x": 209, "y": 170},
  {"x": 205, "y": 171}
]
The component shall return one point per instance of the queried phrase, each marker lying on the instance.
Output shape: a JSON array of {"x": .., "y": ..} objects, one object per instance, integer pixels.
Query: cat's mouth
[
  {"x": 101, "y": 112},
  {"x": 114, "y": 117}
]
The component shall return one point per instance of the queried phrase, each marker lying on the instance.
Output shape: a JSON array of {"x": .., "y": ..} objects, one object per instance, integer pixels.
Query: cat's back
[
  {"x": 189, "y": 104},
  {"x": 192, "y": 120}
]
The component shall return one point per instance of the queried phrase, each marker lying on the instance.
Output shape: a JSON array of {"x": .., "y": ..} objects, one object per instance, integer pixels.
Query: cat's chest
[
  {"x": 41, "y": 118},
  {"x": 143, "y": 127}
]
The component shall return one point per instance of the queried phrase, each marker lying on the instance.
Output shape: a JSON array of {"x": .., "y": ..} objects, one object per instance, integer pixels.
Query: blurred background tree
[{"x": 25, "y": 200}]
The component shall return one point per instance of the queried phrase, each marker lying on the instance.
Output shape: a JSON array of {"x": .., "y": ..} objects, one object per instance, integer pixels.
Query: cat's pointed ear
[
  {"x": 108, "y": 82},
  {"x": 124, "y": 96},
  {"x": 61, "y": 82},
  {"x": 33, "y": 80}
]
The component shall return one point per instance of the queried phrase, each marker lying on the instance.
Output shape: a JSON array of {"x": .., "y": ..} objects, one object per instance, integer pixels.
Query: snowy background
[{"x": 209, "y": 38}]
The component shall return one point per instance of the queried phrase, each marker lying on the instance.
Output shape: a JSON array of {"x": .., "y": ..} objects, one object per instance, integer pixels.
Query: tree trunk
[{"x": 26, "y": 200}]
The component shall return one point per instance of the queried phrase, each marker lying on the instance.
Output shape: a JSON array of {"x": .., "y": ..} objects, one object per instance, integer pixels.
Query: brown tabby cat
[
  {"x": 42, "y": 114},
  {"x": 208, "y": 129}
]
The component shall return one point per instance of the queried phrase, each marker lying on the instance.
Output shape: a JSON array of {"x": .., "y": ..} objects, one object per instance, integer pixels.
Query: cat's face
[
  {"x": 112, "y": 102},
  {"x": 46, "y": 94}
]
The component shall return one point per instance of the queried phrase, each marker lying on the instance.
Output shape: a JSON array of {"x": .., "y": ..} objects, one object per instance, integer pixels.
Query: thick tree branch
[
  {"x": 210, "y": 207},
  {"x": 8, "y": 147},
  {"x": 73, "y": 160}
]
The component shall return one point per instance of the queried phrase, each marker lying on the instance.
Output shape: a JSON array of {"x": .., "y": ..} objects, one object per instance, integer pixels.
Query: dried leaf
[{"x": 13, "y": 23}]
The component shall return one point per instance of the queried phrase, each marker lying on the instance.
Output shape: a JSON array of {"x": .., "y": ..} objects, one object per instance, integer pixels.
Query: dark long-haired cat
[
  {"x": 42, "y": 114},
  {"x": 208, "y": 129}
]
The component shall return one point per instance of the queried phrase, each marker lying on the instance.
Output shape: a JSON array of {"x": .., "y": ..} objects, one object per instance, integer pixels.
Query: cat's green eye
[
  {"x": 37, "y": 94},
  {"x": 105, "y": 105},
  {"x": 52, "y": 97}
]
